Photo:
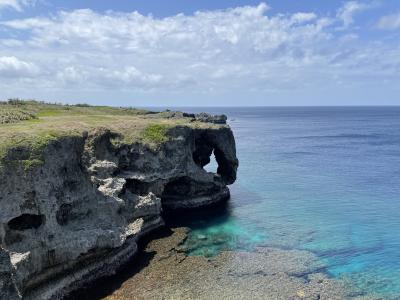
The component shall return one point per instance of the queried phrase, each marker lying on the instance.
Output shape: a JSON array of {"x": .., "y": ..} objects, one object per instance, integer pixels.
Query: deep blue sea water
[{"x": 324, "y": 179}]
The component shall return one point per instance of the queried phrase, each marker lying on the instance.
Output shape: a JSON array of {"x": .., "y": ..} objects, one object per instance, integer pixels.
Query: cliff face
[{"x": 78, "y": 215}]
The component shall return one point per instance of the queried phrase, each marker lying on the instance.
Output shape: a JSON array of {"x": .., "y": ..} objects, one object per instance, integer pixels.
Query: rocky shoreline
[
  {"x": 76, "y": 212},
  {"x": 77, "y": 215},
  {"x": 266, "y": 273}
]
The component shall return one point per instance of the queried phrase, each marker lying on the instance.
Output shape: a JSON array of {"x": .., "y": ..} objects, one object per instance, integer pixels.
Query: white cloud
[
  {"x": 17, "y": 5},
  {"x": 129, "y": 49},
  {"x": 27, "y": 24},
  {"x": 347, "y": 12},
  {"x": 390, "y": 22},
  {"x": 10, "y": 66},
  {"x": 128, "y": 76},
  {"x": 243, "y": 48},
  {"x": 303, "y": 17}
]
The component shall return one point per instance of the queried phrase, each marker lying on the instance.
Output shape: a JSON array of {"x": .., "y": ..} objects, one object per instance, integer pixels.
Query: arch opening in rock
[
  {"x": 204, "y": 155},
  {"x": 208, "y": 154},
  {"x": 225, "y": 168},
  {"x": 202, "y": 152},
  {"x": 212, "y": 166}
]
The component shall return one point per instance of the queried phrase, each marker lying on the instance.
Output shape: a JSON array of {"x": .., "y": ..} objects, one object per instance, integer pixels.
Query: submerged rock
[
  {"x": 78, "y": 215},
  {"x": 267, "y": 273}
]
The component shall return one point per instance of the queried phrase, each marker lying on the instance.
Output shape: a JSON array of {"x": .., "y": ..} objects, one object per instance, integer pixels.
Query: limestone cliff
[{"x": 78, "y": 215}]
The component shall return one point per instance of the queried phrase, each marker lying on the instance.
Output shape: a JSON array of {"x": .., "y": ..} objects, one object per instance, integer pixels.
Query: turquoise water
[{"x": 321, "y": 179}]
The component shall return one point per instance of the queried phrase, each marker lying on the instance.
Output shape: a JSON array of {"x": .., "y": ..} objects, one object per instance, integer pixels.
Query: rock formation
[
  {"x": 77, "y": 216},
  {"x": 265, "y": 273}
]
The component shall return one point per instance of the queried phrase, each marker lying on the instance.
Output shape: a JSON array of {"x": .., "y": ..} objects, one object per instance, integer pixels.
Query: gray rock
[
  {"x": 78, "y": 216},
  {"x": 201, "y": 117},
  {"x": 268, "y": 273},
  {"x": 7, "y": 287},
  {"x": 217, "y": 119}
]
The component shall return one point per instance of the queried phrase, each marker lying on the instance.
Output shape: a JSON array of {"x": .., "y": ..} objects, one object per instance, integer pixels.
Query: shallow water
[
  {"x": 165, "y": 272},
  {"x": 320, "y": 179}
]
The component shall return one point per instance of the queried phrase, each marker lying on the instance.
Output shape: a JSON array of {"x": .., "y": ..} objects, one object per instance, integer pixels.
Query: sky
[{"x": 201, "y": 52}]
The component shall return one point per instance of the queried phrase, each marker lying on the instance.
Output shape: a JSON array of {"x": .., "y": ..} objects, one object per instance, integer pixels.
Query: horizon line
[{"x": 248, "y": 106}]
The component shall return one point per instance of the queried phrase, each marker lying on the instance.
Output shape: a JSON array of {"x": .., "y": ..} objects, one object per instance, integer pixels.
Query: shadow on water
[
  {"x": 106, "y": 286},
  {"x": 197, "y": 218}
]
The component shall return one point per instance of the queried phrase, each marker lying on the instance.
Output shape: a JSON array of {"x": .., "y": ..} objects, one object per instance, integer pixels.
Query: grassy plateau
[{"x": 32, "y": 124}]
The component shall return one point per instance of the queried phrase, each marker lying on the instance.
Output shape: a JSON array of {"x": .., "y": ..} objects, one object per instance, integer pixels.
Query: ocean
[{"x": 322, "y": 179}]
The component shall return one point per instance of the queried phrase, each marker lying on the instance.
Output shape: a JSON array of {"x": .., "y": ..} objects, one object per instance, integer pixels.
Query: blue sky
[{"x": 183, "y": 53}]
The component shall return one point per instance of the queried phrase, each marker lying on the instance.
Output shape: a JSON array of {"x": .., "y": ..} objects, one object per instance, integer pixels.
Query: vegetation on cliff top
[
  {"x": 31, "y": 124},
  {"x": 156, "y": 133},
  {"x": 15, "y": 110}
]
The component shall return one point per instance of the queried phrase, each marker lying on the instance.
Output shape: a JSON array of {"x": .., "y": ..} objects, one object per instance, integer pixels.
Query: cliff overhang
[{"x": 77, "y": 214}]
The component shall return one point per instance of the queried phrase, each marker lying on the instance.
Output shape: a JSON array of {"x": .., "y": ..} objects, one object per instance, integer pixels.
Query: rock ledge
[{"x": 77, "y": 216}]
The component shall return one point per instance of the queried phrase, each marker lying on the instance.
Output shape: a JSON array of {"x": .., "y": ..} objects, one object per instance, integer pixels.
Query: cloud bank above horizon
[{"x": 247, "y": 55}]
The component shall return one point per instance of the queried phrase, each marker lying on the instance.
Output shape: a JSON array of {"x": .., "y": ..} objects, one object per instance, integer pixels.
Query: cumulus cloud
[
  {"x": 390, "y": 22},
  {"x": 86, "y": 47},
  {"x": 239, "y": 48},
  {"x": 129, "y": 48},
  {"x": 10, "y": 66}
]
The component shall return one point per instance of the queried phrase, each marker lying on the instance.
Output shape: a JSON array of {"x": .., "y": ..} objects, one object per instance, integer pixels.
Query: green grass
[
  {"x": 30, "y": 164},
  {"x": 33, "y": 125},
  {"x": 156, "y": 133},
  {"x": 36, "y": 109},
  {"x": 26, "y": 150}
]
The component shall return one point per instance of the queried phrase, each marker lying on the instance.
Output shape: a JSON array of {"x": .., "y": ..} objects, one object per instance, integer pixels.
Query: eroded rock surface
[
  {"x": 78, "y": 216},
  {"x": 267, "y": 273}
]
